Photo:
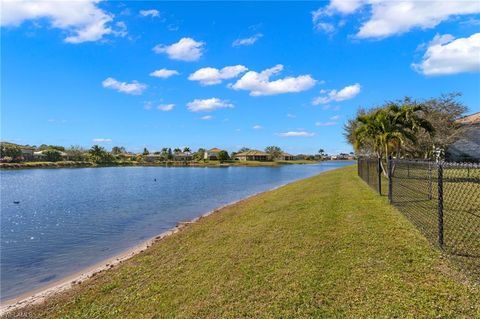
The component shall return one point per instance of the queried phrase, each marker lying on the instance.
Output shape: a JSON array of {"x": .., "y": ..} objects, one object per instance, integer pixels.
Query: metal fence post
[
  {"x": 390, "y": 182},
  {"x": 379, "y": 170},
  {"x": 440, "y": 205}
]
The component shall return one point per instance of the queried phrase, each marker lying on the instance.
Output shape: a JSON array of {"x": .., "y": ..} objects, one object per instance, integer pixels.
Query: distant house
[
  {"x": 286, "y": 157},
  {"x": 153, "y": 158},
  {"x": 39, "y": 156},
  {"x": 212, "y": 154},
  {"x": 27, "y": 153},
  {"x": 183, "y": 156},
  {"x": 253, "y": 155},
  {"x": 468, "y": 147}
]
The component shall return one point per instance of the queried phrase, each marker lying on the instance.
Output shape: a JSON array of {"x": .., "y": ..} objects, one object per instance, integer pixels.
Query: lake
[{"x": 68, "y": 219}]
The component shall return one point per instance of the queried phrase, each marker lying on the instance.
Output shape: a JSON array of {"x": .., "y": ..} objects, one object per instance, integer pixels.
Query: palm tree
[
  {"x": 384, "y": 131},
  {"x": 186, "y": 150}
]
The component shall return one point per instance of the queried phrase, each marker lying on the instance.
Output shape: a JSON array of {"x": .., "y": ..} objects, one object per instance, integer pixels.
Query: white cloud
[
  {"x": 396, "y": 17},
  {"x": 134, "y": 88},
  {"x": 388, "y": 17},
  {"x": 257, "y": 127},
  {"x": 102, "y": 140},
  {"x": 447, "y": 55},
  {"x": 187, "y": 49},
  {"x": 296, "y": 134},
  {"x": 211, "y": 76},
  {"x": 347, "y": 93},
  {"x": 335, "y": 117},
  {"x": 292, "y": 116},
  {"x": 150, "y": 13},
  {"x": 208, "y": 105},
  {"x": 166, "y": 107},
  {"x": 164, "y": 73},
  {"x": 83, "y": 20},
  {"x": 259, "y": 83},
  {"x": 206, "y": 117},
  {"x": 247, "y": 41}
]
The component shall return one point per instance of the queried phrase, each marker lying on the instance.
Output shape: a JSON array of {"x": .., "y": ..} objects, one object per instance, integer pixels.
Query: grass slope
[{"x": 324, "y": 247}]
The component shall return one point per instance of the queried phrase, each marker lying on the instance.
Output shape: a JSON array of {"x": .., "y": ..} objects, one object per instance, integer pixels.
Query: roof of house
[
  {"x": 252, "y": 153},
  {"x": 214, "y": 150},
  {"x": 286, "y": 154},
  {"x": 470, "y": 119}
]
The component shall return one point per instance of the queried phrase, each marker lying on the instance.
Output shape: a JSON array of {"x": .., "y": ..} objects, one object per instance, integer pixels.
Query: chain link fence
[{"x": 441, "y": 199}]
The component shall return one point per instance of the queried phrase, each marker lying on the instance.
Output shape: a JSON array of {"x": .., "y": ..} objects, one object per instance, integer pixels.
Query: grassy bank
[
  {"x": 324, "y": 247},
  {"x": 64, "y": 164}
]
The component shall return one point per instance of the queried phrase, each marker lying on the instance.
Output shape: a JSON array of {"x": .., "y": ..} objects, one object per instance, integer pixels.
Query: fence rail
[{"x": 441, "y": 199}]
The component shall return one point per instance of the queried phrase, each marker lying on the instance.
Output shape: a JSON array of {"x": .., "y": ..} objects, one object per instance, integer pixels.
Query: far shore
[
  {"x": 41, "y": 294},
  {"x": 73, "y": 164}
]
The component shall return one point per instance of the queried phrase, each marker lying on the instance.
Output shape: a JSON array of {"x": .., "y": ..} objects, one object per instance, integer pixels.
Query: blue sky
[{"x": 74, "y": 79}]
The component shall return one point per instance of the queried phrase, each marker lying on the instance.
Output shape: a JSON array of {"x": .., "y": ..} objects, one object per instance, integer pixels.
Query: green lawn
[{"x": 324, "y": 247}]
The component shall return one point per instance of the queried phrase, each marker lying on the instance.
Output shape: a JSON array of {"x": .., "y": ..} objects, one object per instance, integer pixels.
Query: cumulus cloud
[
  {"x": 247, "y": 41},
  {"x": 102, "y": 140},
  {"x": 150, "y": 13},
  {"x": 211, "y": 76},
  {"x": 347, "y": 93},
  {"x": 259, "y": 83},
  {"x": 166, "y": 107},
  {"x": 187, "y": 49},
  {"x": 164, "y": 73},
  {"x": 388, "y": 17},
  {"x": 257, "y": 127},
  {"x": 296, "y": 134},
  {"x": 447, "y": 55},
  {"x": 208, "y": 105},
  {"x": 134, "y": 88},
  {"x": 206, "y": 117},
  {"x": 83, "y": 20}
]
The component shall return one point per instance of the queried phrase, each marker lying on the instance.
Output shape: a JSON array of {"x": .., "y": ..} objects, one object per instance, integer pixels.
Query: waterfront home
[
  {"x": 212, "y": 154},
  {"x": 183, "y": 156},
  {"x": 150, "y": 158},
  {"x": 39, "y": 156},
  {"x": 253, "y": 155},
  {"x": 467, "y": 148},
  {"x": 27, "y": 153},
  {"x": 286, "y": 157}
]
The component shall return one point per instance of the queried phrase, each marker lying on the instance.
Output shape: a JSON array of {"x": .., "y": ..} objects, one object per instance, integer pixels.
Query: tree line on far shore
[{"x": 12, "y": 153}]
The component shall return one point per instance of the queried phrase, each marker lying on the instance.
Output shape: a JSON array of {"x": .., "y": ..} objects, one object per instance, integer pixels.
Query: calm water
[{"x": 69, "y": 219}]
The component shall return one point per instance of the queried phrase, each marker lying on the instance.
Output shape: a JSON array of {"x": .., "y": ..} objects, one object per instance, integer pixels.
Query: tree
[
  {"x": 169, "y": 154},
  {"x": 145, "y": 151},
  {"x": 384, "y": 131},
  {"x": 177, "y": 150},
  {"x": 98, "y": 154},
  {"x": 223, "y": 156},
  {"x": 14, "y": 152},
  {"x": 274, "y": 151},
  {"x": 45, "y": 147},
  {"x": 243, "y": 149},
  {"x": 186, "y": 150},
  {"x": 53, "y": 155},
  {"x": 199, "y": 154},
  {"x": 116, "y": 150},
  {"x": 76, "y": 153}
]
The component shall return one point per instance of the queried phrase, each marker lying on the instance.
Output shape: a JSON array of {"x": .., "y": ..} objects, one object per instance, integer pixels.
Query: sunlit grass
[{"x": 324, "y": 247}]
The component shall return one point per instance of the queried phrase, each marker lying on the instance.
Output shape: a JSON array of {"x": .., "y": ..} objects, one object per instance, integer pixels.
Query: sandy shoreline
[{"x": 41, "y": 294}]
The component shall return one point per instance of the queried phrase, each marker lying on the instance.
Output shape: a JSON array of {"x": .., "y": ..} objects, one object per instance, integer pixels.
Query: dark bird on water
[{"x": 16, "y": 202}]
